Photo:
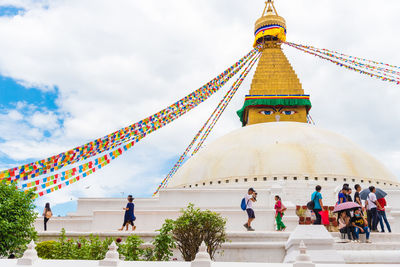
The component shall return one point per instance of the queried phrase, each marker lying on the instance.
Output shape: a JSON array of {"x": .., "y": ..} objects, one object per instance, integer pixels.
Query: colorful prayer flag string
[
  {"x": 54, "y": 163},
  {"x": 52, "y": 183},
  {"x": 361, "y": 68},
  {"x": 216, "y": 114}
]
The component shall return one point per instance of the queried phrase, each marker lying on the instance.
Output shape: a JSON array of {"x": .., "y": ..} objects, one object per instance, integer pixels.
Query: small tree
[
  {"x": 164, "y": 242},
  {"x": 194, "y": 226},
  {"x": 17, "y": 216}
]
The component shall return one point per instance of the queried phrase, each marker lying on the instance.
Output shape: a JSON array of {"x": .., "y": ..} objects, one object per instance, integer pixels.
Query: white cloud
[{"x": 117, "y": 62}]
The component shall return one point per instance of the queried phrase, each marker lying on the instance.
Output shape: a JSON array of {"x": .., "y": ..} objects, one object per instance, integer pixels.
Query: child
[
  {"x": 360, "y": 225},
  {"x": 129, "y": 215},
  {"x": 279, "y": 208},
  {"x": 344, "y": 225}
]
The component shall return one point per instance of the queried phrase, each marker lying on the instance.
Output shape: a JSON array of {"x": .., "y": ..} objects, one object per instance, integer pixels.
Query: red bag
[{"x": 324, "y": 217}]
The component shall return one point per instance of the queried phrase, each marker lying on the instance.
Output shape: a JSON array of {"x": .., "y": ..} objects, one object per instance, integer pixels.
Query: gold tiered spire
[
  {"x": 274, "y": 75},
  {"x": 276, "y": 93}
]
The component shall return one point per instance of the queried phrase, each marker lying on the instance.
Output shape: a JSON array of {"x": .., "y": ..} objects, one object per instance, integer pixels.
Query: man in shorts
[{"x": 250, "y": 197}]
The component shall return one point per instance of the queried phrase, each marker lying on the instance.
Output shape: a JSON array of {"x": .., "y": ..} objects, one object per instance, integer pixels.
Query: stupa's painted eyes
[
  {"x": 288, "y": 112},
  {"x": 266, "y": 112}
]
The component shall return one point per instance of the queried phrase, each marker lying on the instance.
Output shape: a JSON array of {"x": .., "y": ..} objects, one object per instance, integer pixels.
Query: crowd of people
[
  {"x": 359, "y": 219},
  {"x": 353, "y": 221}
]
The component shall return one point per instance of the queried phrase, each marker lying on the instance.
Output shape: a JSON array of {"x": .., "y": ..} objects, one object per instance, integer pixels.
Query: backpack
[
  {"x": 311, "y": 204},
  {"x": 243, "y": 204}
]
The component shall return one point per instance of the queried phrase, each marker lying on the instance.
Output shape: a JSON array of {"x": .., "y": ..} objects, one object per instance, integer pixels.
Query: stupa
[
  {"x": 277, "y": 145},
  {"x": 278, "y": 153}
]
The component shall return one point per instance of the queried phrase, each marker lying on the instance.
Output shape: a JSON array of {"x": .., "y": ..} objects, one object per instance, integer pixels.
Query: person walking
[
  {"x": 279, "y": 212},
  {"x": 129, "y": 217},
  {"x": 316, "y": 197},
  {"x": 372, "y": 205},
  {"x": 250, "y": 197},
  {"x": 382, "y": 215},
  {"x": 47, "y": 214}
]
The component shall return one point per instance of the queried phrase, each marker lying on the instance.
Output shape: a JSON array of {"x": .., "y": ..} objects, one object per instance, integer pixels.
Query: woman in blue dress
[{"x": 129, "y": 217}]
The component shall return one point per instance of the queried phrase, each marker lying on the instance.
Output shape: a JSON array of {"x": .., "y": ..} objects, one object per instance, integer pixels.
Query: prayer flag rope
[
  {"x": 216, "y": 114},
  {"x": 53, "y": 179},
  {"x": 347, "y": 56},
  {"x": 357, "y": 62},
  {"x": 110, "y": 141},
  {"x": 77, "y": 173},
  {"x": 348, "y": 65}
]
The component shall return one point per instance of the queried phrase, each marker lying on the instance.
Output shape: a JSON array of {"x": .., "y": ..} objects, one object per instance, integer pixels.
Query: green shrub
[
  {"x": 193, "y": 227},
  {"x": 46, "y": 249},
  {"x": 70, "y": 249},
  {"x": 164, "y": 242},
  {"x": 131, "y": 248},
  {"x": 17, "y": 216}
]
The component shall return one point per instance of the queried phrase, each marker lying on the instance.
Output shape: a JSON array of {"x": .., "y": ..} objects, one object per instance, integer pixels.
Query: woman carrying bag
[
  {"x": 280, "y": 209},
  {"x": 47, "y": 214}
]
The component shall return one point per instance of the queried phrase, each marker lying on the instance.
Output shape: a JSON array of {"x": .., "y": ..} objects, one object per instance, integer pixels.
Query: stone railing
[{"x": 30, "y": 258}]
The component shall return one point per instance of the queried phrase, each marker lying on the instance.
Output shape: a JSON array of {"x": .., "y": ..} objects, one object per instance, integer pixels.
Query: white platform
[{"x": 104, "y": 216}]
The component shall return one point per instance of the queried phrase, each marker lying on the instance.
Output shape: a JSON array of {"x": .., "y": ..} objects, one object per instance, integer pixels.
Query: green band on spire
[{"x": 273, "y": 102}]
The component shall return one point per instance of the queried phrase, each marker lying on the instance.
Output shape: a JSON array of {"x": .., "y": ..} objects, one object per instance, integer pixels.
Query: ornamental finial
[{"x": 269, "y": 8}]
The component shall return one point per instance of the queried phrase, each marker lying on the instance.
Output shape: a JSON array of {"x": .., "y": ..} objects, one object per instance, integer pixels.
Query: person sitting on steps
[{"x": 360, "y": 225}]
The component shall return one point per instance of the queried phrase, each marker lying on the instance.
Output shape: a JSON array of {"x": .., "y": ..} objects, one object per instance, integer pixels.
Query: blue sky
[
  {"x": 72, "y": 71},
  {"x": 9, "y": 11},
  {"x": 12, "y": 92}
]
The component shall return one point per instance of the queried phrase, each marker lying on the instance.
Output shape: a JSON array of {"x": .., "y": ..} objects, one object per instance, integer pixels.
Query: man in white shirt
[
  {"x": 372, "y": 205},
  {"x": 250, "y": 197}
]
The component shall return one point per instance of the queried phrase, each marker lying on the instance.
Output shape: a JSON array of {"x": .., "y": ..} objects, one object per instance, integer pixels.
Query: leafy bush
[
  {"x": 131, "y": 248},
  {"x": 89, "y": 249},
  {"x": 69, "y": 249},
  {"x": 164, "y": 242},
  {"x": 46, "y": 249},
  {"x": 187, "y": 232},
  {"x": 194, "y": 226},
  {"x": 17, "y": 216}
]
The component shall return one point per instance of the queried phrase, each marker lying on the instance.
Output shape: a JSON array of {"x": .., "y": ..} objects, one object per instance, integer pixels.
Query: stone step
[
  {"x": 379, "y": 237},
  {"x": 371, "y": 256},
  {"x": 368, "y": 246},
  {"x": 247, "y": 237}
]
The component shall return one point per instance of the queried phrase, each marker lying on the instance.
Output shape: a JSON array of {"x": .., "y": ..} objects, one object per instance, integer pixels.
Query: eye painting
[
  {"x": 266, "y": 112},
  {"x": 288, "y": 112}
]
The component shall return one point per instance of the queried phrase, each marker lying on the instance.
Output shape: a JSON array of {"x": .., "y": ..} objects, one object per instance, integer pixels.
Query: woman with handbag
[
  {"x": 47, "y": 214},
  {"x": 279, "y": 212}
]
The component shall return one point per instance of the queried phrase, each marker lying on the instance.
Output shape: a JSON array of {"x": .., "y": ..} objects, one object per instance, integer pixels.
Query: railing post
[
  {"x": 202, "y": 257},
  {"x": 30, "y": 255}
]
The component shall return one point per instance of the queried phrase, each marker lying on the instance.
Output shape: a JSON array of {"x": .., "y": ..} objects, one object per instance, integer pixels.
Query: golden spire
[{"x": 276, "y": 93}]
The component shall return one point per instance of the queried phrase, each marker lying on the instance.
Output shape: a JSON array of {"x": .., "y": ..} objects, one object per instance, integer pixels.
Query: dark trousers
[
  {"x": 45, "y": 223},
  {"x": 128, "y": 222},
  {"x": 382, "y": 217},
  {"x": 349, "y": 231},
  {"x": 372, "y": 219},
  {"x": 318, "y": 216}
]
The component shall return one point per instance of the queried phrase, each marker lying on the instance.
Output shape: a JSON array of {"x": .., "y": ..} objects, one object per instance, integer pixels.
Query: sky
[{"x": 72, "y": 71}]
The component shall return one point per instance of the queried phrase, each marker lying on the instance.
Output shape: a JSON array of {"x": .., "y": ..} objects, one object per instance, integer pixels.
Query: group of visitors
[
  {"x": 247, "y": 205},
  {"x": 352, "y": 222}
]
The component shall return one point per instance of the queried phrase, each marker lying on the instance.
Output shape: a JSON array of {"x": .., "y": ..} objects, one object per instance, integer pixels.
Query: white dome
[{"x": 280, "y": 149}]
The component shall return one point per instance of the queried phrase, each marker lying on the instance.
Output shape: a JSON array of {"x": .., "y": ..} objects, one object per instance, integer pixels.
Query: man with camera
[{"x": 250, "y": 197}]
